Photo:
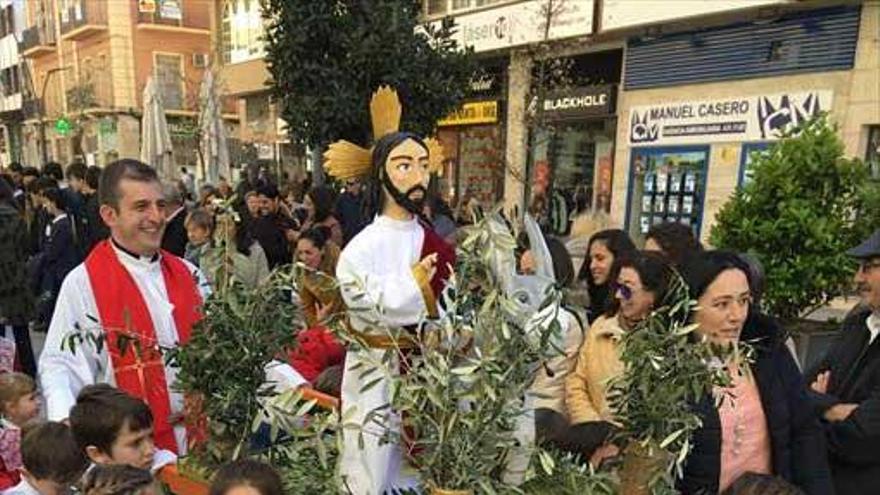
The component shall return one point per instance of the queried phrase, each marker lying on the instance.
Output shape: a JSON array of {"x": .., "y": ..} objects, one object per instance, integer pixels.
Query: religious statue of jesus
[{"x": 391, "y": 276}]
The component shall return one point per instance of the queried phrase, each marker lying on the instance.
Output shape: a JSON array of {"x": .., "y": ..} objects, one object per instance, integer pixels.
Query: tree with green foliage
[
  {"x": 806, "y": 205},
  {"x": 326, "y": 58}
]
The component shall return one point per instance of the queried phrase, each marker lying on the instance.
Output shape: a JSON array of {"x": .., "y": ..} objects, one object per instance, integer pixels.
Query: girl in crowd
[
  {"x": 320, "y": 203},
  {"x": 604, "y": 248},
  {"x": 318, "y": 357},
  {"x": 642, "y": 283},
  {"x": 19, "y": 405},
  {"x": 765, "y": 424}
]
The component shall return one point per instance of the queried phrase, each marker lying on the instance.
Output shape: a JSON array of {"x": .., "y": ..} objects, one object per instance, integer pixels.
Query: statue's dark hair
[{"x": 372, "y": 190}]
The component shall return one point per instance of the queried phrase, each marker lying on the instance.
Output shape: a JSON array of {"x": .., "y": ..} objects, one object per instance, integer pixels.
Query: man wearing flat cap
[{"x": 845, "y": 385}]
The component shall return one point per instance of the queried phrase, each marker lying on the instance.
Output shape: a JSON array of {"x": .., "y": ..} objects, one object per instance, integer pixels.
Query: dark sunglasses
[{"x": 625, "y": 292}]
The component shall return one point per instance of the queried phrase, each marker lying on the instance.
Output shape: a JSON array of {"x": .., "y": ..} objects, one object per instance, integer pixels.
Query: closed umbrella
[
  {"x": 156, "y": 148},
  {"x": 215, "y": 152}
]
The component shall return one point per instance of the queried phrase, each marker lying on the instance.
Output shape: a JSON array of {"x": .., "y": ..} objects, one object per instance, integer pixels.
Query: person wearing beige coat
[
  {"x": 642, "y": 280},
  {"x": 597, "y": 363}
]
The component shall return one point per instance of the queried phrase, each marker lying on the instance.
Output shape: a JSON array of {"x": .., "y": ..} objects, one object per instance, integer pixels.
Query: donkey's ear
[
  {"x": 501, "y": 247},
  {"x": 539, "y": 249}
]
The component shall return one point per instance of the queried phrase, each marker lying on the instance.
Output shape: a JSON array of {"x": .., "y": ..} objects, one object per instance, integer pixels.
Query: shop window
[
  {"x": 749, "y": 152},
  {"x": 666, "y": 185},
  {"x": 169, "y": 69},
  {"x": 565, "y": 159},
  {"x": 872, "y": 156}
]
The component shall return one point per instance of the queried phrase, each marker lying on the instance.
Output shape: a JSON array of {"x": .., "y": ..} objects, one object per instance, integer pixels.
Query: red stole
[
  {"x": 125, "y": 319},
  {"x": 433, "y": 243}
]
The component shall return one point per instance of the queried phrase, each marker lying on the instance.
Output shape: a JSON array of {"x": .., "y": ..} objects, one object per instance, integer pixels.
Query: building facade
[
  {"x": 687, "y": 136},
  {"x": 261, "y": 136},
  {"x": 641, "y": 122},
  {"x": 87, "y": 63},
  {"x": 11, "y": 22}
]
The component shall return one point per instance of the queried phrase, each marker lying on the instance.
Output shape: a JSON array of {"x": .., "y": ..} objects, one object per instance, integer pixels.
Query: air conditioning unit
[{"x": 200, "y": 60}]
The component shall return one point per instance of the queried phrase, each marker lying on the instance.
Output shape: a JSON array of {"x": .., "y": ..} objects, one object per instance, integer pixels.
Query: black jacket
[
  {"x": 16, "y": 301},
  {"x": 796, "y": 443},
  {"x": 270, "y": 232},
  {"x": 853, "y": 444},
  {"x": 174, "y": 239},
  {"x": 94, "y": 228}
]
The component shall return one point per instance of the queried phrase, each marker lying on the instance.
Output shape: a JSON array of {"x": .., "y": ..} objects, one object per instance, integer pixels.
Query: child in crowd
[
  {"x": 112, "y": 427},
  {"x": 247, "y": 477},
  {"x": 19, "y": 405},
  {"x": 199, "y": 229},
  {"x": 52, "y": 461},
  {"x": 119, "y": 480}
]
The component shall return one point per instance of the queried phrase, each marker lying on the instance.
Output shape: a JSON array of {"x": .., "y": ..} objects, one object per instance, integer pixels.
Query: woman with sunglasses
[
  {"x": 765, "y": 424},
  {"x": 604, "y": 248},
  {"x": 642, "y": 282}
]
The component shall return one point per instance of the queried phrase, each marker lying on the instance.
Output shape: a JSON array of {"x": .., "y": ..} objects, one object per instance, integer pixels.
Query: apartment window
[
  {"x": 436, "y": 7},
  {"x": 242, "y": 30},
  {"x": 169, "y": 71},
  {"x": 257, "y": 112}
]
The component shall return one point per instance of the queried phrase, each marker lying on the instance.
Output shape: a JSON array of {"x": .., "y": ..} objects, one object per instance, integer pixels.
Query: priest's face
[
  {"x": 138, "y": 221},
  {"x": 407, "y": 171}
]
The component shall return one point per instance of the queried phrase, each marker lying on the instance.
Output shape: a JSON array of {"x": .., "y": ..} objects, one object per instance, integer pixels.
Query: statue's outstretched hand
[{"x": 429, "y": 264}]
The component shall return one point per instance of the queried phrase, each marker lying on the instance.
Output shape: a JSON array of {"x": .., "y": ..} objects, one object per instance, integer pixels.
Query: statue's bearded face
[{"x": 406, "y": 175}]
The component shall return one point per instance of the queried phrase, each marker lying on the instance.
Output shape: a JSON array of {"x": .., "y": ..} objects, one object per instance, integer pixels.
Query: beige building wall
[{"x": 856, "y": 105}]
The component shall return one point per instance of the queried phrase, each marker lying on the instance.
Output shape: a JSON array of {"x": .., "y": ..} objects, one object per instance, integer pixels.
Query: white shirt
[
  {"x": 64, "y": 373},
  {"x": 22, "y": 488},
  {"x": 873, "y": 324}
]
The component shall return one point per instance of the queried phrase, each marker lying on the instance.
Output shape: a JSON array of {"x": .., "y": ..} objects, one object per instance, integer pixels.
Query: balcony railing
[
  {"x": 183, "y": 19},
  {"x": 37, "y": 40},
  {"x": 85, "y": 18}
]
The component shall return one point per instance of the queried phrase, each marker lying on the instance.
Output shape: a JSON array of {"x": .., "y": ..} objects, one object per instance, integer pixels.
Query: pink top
[{"x": 745, "y": 440}]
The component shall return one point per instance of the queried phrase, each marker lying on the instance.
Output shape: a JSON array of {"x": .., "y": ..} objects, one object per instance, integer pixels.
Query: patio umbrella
[
  {"x": 215, "y": 153},
  {"x": 156, "y": 148}
]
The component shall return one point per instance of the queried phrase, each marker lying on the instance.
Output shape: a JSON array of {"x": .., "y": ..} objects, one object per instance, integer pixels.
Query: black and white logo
[
  {"x": 641, "y": 130},
  {"x": 779, "y": 114}
]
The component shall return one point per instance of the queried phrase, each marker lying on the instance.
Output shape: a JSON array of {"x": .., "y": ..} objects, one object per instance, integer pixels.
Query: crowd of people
[{"x": 75, "y": 241}]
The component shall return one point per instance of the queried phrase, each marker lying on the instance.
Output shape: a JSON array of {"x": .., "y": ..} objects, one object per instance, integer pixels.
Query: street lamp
[{"x": 43, "y": 111}]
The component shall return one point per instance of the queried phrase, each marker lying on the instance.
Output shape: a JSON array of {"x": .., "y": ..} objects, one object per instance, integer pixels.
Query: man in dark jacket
[
  {"x": 174, "y": 239},
  {"x": 96, "y": 229},
  {"x": 274, "y": 229},
  {"x": 846, "y": 384}
]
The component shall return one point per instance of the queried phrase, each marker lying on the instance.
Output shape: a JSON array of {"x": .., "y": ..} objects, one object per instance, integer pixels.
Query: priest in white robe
[{"x": 127, "y": 286}]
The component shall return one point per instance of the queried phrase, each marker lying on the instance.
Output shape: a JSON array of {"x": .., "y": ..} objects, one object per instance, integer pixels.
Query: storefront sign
[
  {"x": 478, "y": 112},
  {"x": 523, "y": 23},
  {"x": 748, "y": 118},
  {"x": 576, "y": 103}
]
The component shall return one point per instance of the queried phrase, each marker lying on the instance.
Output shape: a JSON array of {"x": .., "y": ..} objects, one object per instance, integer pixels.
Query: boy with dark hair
[
  {"x": 52, "y": 461},
  {"x": 112, "y": 427}
]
